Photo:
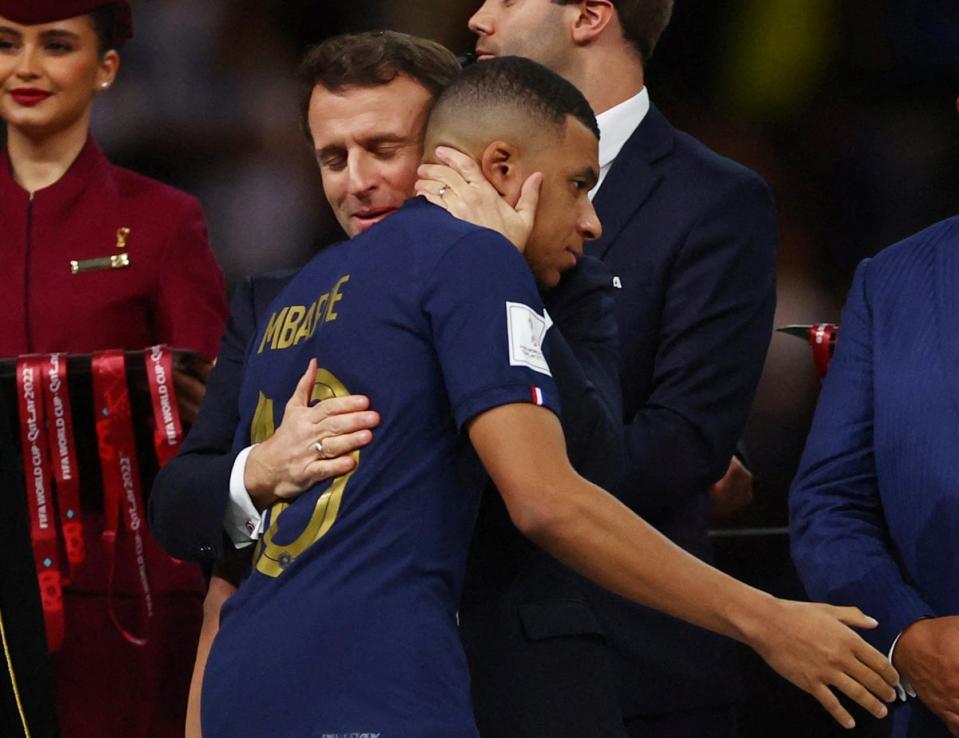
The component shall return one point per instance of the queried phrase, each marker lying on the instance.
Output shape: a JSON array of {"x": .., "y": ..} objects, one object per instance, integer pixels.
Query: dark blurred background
[{"x": 846, "y": 107}]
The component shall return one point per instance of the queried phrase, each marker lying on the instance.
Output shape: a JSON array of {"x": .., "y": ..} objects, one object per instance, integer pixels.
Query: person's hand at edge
[{"x": 927, "y": 654}]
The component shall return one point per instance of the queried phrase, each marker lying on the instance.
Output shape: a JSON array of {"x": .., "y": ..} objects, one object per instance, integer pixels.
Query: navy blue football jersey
[{"x": 347, "y": 625}]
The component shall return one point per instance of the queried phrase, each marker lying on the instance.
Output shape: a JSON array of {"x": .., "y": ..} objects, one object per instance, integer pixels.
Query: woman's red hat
[{"x": 32, "y": 12}]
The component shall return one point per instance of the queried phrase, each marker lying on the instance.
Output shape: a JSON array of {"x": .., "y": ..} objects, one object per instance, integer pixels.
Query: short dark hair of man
[
  {"x": 374, "y": 58},
  {"x": 518, "y": 83},
  {"x": 643, "y": 22}
]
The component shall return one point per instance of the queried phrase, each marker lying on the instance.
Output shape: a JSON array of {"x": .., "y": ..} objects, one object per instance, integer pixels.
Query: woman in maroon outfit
[{"x": 62, "y": 202}]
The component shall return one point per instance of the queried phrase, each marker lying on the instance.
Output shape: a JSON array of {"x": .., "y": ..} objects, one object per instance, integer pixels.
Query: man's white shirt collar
[{"x": 616, "y": 125}]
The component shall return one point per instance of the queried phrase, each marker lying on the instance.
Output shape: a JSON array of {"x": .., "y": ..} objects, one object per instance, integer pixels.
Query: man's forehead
[
  {"x": 376, "y": 111},
  {"x": 400, "y": 88}
]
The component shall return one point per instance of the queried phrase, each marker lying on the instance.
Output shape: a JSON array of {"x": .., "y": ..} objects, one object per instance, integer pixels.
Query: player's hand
[
  {"x": 813, "y": 646},
  {"x": 289, "y": 462},
  {"x": 927, "y": 654},
  {"x": 734, "y": 491},
  {"x": 458, "y": 185}
]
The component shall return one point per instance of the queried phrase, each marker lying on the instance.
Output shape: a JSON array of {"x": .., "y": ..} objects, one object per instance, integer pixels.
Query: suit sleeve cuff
[{"x": 242, "y": 520}]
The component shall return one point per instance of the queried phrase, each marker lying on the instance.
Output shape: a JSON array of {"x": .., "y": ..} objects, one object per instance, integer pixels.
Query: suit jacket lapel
[
  {"x": 947, "y": 308},
  {"x": 631, "y": 179}
]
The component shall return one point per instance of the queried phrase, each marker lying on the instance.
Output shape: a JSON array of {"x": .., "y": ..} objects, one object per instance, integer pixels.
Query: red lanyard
[
  {"x": 63, "y": 454},
  {"x": 121, "y": 477},
  {"x": 36, "y": 468},
  {"x": 167, "y": 430}
]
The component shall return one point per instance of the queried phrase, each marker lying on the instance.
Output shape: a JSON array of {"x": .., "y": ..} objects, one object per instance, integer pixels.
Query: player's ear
[
  {"x": 592, "y": 18},
  {"x": 499, "y": 164}
]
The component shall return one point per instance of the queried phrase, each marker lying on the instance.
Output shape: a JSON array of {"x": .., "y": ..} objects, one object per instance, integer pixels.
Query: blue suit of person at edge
[{"x": 875, "y": 503}]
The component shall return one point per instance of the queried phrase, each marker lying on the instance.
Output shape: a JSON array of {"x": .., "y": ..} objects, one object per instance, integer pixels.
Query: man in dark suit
[
  {"x": 874, "y": 509},
  {"x": 690, "y": 238}
]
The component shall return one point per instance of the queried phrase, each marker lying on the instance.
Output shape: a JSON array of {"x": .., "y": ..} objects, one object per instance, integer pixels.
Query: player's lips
[
  {"x": 29, "y": 96},
  {"x": 482, "y": 54}
]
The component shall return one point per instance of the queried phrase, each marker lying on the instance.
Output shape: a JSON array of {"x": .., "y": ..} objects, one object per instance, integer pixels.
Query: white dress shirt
[{"x": 616, "y": 125}]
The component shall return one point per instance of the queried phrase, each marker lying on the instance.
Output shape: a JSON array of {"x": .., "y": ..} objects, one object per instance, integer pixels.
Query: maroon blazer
[{"x": 171, "y": 292}]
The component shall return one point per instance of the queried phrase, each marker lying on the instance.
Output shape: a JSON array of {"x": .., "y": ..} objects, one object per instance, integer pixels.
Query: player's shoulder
[{"x": 426, "y": 233}]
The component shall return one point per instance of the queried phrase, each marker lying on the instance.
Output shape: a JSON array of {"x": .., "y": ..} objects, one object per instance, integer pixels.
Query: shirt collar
[{"x": 617, "y": 124}]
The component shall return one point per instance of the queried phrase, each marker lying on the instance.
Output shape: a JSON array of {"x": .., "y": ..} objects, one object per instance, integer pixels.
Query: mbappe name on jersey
[{"x": 296, "y": 323}]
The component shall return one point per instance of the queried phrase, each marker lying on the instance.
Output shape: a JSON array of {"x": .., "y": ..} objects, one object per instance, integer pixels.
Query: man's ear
[
  {"x": 499, "y": 164},
  {"x": 592, "y": 19}
]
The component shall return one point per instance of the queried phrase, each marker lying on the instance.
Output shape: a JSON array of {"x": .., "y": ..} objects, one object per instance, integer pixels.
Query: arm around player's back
[{"x": 523, "y": 450}]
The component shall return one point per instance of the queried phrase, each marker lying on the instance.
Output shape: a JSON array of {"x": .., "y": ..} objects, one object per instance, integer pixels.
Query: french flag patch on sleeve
[{"x": 537, "y": 395}]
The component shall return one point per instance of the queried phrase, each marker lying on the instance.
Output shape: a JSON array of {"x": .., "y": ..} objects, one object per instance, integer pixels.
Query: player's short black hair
[
  {"x": 374, "y": 58},
  {"x": 523, "y": 84},
  {"x": 643, "y": 22}
]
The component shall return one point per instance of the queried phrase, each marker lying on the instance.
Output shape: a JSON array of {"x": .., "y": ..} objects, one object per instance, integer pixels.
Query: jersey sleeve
[{"x": 489, "y": 327}]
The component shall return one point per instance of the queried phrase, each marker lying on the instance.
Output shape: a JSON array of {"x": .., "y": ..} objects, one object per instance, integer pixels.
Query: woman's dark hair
[{"x": 104, "y": 22}]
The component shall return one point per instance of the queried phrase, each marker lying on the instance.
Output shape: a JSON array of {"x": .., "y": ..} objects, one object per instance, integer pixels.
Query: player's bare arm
[{"x": 812, "y": 645}]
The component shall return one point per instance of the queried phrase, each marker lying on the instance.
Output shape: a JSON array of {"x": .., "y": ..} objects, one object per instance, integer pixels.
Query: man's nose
[
  {"x": 361, "y": 174},
  {"x": 481, "y": 22}
]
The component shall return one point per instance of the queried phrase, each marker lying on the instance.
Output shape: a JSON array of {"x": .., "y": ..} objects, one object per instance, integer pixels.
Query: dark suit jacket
[
  {"x": 691, "y": 238},
  {"x": 875, "y": 505}
]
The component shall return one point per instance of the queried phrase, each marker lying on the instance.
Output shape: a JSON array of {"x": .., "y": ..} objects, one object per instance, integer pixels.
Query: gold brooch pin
[{"x": 116, "y": 261}]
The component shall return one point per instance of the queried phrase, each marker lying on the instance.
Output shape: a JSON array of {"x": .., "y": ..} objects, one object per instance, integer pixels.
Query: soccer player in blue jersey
[{"x": 347, "y": 625}]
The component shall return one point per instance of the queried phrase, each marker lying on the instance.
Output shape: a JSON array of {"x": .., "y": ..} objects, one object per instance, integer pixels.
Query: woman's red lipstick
[{"x": 29, "y": 96}]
